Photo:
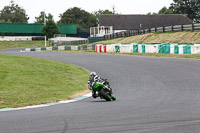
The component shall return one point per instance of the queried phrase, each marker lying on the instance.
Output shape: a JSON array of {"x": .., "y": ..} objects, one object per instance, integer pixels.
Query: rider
[{"x": 93, "y": 79}]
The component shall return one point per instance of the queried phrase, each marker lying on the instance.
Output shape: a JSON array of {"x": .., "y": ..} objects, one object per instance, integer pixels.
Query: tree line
[
  {"x": 13, "y": 13},
  {"x": 191, "y": 8}
]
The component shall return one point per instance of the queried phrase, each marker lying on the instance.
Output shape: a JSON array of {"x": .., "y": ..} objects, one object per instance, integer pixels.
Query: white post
[
  {"x": 94, "y": 31},
  {"x": 90, "y": 31},
  {"x": 98, "y": 30},
  {"x": 111, "y": 28},
  {"x": 45, "y": 38}
]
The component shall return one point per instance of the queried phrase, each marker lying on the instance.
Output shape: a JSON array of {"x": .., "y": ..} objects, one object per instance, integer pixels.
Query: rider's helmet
[
  {"x": 96, "y": 78},
  {"x": 93, "y": 74}
]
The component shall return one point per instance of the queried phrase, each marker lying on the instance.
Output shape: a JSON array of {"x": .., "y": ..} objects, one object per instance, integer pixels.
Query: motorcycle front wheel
[{"x": 104, "y": 95}]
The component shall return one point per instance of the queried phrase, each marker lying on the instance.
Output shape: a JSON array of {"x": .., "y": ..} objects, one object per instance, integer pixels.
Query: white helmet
[
  {"x": 96, "y": 78},
  {"x": 93, "y": 73}
]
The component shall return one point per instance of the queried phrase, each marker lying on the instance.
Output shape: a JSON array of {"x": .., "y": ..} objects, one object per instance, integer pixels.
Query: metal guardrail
[{"x": 175, "y": 28}]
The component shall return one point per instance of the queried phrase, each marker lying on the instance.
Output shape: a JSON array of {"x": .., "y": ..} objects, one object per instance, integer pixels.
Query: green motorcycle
[{"x": 104, "y": 90}]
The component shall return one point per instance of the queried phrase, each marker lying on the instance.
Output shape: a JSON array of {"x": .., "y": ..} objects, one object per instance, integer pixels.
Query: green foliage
[
  {"x": 50, "y": 29},
  {"x": 165, "y": 10},
  {"x": 40, "y": 18},
  {"x": 99, "y": 12},
  {"x": 153, "y": 13},
  {"x": 13, "y": 14},
  {"x": 189, "y": 7},
  {"x": 76, "y": 15},
  {"x": 3, "y": 21}
]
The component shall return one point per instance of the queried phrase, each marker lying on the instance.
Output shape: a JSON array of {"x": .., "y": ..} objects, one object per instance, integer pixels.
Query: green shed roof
[{"x": 34, "y": 28}]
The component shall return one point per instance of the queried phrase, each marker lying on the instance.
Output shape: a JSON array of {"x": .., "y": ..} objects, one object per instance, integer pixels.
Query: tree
[
  {"x": 76, "y": 15},
  {"x": 40, "y": 18},
  {"x": 165, "y": 10},
  {"x": 189, "y": 7},
  {"x": 99, "y": 12},
  {"x": 153, "y": 13},
  {"x": 13, "y": 14},
  {"x": 50, "y": 29}
]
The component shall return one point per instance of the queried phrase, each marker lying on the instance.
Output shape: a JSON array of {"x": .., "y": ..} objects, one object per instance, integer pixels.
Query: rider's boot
[{"x": 94, "y": 95}]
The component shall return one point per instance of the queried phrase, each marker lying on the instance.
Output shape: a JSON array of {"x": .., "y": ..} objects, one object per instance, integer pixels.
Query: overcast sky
[{"x": 57, "y": 7}]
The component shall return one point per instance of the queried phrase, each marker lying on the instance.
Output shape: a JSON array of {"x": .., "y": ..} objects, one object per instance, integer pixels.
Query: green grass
[
  {"x": 30, "y": 81},
  {"x": 19, "y": 44}
]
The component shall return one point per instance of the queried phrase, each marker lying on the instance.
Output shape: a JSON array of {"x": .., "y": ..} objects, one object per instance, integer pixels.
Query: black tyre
[
  {"x": 104, "y": 95},
  {"x": 113, "y": 98}
]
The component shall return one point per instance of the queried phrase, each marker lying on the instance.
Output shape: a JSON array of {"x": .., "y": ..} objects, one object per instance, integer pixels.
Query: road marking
[{"x": 48, "y": 104}]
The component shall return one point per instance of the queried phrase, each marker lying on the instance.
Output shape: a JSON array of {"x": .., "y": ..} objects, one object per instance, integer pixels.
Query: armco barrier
[
  {"x": 164, "y": 48},
  {"x": 48, "y": 48},
  {"x": 130, "y": 48},
  {"x": 196, "y": 49},
  {"x": 150, "y": 48},
  {"x": 117, "y": 48},
  {"x": 74, "y": 47},
  {"x": 180, "y": 47},
  {"x": 174, "y": 49},
  {"x": 135, "y": 48},
  {"x": 110, "y": 48},
  {"x": 126, "y": 49},
  {"x": 141, "y": 48},
  {"x": 61, "y": 47},
  {"x": 67, "y": 47}
]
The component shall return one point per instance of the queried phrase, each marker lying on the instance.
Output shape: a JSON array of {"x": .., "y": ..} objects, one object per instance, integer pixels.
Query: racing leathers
[{"x": 92, "y": 80}]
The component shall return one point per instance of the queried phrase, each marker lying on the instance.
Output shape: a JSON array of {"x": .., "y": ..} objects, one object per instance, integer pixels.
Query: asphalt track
[{"x": 154, "y": 95}]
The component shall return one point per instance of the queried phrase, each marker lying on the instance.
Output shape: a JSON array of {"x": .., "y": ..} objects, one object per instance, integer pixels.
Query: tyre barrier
[
  {"x": 150, "y": 48},
  {"x": 67, "y": 47}
]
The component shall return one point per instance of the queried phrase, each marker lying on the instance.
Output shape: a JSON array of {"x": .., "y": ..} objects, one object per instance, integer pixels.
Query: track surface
[{"x": 154, "y": 95}]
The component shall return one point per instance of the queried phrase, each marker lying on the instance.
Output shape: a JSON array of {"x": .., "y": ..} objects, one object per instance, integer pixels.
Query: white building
[{"x": 101, "y": 31}]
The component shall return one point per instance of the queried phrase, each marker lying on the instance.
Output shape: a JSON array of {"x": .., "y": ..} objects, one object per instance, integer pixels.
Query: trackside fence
[{"x": 188, "y": 27}]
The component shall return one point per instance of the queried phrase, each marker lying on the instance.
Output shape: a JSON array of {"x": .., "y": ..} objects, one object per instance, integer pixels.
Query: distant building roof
[{"x": 133, "y": 22}]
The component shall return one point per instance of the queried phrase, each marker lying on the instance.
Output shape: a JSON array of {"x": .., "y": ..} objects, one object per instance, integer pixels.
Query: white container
[
  {"x": 61, "y": 47},
  {"x": 196, "y": 49},
  {"x": 126, "y": 48},
  {"x": 150, "y": 49},
  {"x": 48, "y": 48},
  {"x": 180, "y": 49},
  {"x": 37, "y": 49},
  {"x": 74, "y": 47},
  {"x": 27, "y": 49},
  {"x": 110, "y": 48}
]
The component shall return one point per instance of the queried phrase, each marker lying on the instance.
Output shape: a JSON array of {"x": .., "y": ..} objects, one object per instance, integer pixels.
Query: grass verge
[
  {"x": 31, "y": 81},
  {"x": 20, "y": 44},
  {"x": 185, "y": 37}
]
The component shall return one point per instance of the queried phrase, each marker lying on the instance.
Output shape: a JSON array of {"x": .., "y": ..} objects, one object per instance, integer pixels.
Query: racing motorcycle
[{"x": 103, "y": 89}]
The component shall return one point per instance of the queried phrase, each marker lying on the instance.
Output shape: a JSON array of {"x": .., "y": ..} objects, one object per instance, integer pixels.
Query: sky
[{"x": 57, "y": 7}]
